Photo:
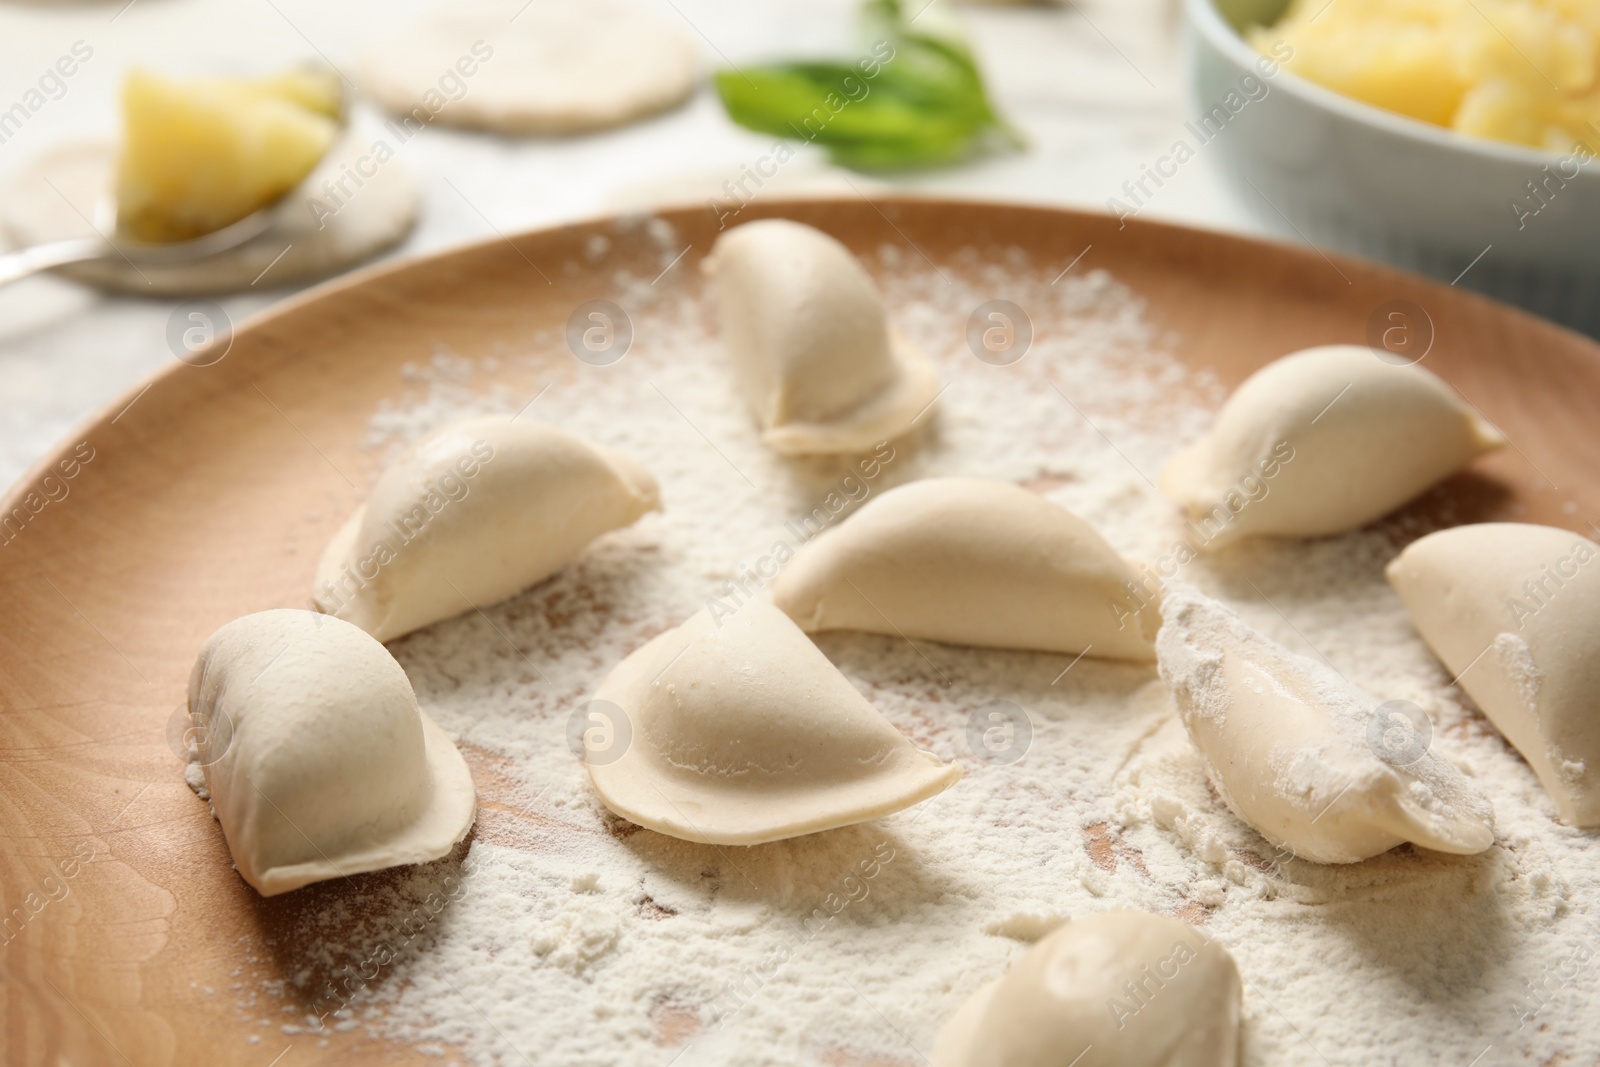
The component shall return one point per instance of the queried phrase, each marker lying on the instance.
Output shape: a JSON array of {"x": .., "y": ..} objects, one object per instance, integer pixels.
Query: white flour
[{"x": 572, "y": 938}]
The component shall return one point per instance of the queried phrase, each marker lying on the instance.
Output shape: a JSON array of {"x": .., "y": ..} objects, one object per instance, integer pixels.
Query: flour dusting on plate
[{"x": 562, "y": 935}]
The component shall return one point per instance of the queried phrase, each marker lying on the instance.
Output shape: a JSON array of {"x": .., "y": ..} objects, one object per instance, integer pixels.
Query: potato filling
[
  {"x": 199, "y": 155},
  {"x": 1524, "y": 71}
]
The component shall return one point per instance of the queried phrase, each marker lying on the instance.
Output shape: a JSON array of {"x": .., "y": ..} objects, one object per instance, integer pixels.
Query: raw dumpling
[
  {"x": 1321, "y": 442},
  {"x": 471, "y": 514},
  {"x": 742, "y": 732},
  {"x": 1285, "y": 740},
  {"x": 1513, "y": 610},
  {"x": 1120, "y": 989},
  {"x": 969, "y": 562},
  {"x": 812, "y": 351},
  {"x": 329, "y": 768},
  {"x": 542, "y": 67}
]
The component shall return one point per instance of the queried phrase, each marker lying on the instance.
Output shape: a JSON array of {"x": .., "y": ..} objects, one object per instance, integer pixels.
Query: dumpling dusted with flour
[
  {"x": 969, "y": 562},
  {"x": 739, "y": 731},
  {"x": 1322, "y": 442},
  {"x": 1513, "y": 610},
  {"x": 1121, "y": 989},
  {"x": 811, "y": 348},
  {"x": 1292, "y": 748},
  {"x": 319, "y": 762},
  {"x": 474, "y": 512}
]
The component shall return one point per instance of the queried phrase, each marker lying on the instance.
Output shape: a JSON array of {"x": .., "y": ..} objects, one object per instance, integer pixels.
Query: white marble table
[{"x": 1097, "y": 86}]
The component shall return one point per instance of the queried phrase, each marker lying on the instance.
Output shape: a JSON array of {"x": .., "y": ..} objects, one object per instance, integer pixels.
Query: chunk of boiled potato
[
  {"x": 1377, "y": 54},
  {"x": 199, "y": 155},
  {"x": 1525, "y": 71},
  {"x": 313, "y": 88}
]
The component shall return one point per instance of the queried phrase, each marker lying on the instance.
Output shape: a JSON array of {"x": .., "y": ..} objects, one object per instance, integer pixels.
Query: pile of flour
[{"x": 561, "y": 935}]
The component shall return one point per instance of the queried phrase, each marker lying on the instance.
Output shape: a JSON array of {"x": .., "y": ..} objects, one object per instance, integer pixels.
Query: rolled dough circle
[
  {"x": 53, "y": 198},
  {"x": 539, "y": 67}
]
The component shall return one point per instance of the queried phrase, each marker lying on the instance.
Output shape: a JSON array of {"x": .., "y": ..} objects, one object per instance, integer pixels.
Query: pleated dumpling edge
[
  {"x": 810, "y": 344},
  {"x": 1288, "y": 744},
  {"x": 1513, "y": 612},
  {"x": 1321, "y": 442},
  {"x": 474, "y": 512},
  {"x": 739, "y": 731},
  {"x": 1117, "y": 989},
  {"x": 969, "y": 561},
  {"x": 319, "y": 761}
]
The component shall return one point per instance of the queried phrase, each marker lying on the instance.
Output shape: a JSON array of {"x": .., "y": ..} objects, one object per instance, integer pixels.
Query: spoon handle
[{"x": 28, "y": 261}]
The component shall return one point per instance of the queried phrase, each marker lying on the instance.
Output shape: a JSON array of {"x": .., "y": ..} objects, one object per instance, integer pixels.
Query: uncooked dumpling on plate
[
  {"x": 476, "y": 511},
  {"x": 1288, "y": 744},
  {"x": 811, "y": 347},
  {"x": 1119, "y": 989},
  {"x": 970, "y": 562},
  {"x": 548, "y": 67},
  {"x": 742, "y": 732},
  {"x": 320, "y": 764},
  {"x": 1321, "y": 442},
  {"x": 1513, "y": 610}
]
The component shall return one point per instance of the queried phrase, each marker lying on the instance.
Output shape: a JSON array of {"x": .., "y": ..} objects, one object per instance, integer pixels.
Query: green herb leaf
[{"x": 916, "y": 98}]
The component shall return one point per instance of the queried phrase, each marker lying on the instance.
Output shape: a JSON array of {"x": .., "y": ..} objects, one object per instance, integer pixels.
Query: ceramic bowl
[{"x": 1521, "y": 224}]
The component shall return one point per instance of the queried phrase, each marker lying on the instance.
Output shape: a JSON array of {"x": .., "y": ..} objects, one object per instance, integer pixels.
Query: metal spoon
[{"x": 106, "y": 246}]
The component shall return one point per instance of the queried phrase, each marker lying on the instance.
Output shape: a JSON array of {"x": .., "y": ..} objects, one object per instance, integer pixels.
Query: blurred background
[
  {"x": 1096, "y": 87},
  {"x": 1092, "y": 96}
]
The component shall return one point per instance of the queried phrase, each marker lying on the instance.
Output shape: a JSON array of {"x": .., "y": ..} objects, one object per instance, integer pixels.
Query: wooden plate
[{"x": 125, "y": 924}]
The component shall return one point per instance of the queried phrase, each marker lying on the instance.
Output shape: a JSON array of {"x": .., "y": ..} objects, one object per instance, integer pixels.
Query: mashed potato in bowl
[{"x": 1523, "y": 71}]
